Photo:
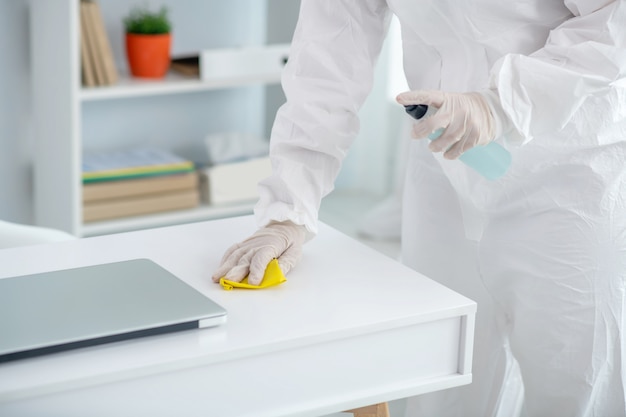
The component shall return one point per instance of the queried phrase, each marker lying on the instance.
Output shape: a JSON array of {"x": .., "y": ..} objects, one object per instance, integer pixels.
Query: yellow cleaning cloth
[{"x": 272, "y": 276}]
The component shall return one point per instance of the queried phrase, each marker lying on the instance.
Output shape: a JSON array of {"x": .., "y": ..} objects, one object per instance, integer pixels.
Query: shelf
[
  {"x": 69, "y": 117},
  {"x": 200, "y": 213},
  {"x": 173, "y": 83}
]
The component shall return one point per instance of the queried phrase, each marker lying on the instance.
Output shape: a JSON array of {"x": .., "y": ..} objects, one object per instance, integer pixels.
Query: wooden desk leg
[{"x": 376, "y": 410}]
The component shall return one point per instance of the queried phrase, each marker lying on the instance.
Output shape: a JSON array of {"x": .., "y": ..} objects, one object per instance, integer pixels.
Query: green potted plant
[{"x": 148, "y": 42}]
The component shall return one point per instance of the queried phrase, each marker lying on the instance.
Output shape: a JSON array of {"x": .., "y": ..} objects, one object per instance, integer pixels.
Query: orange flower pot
[{"x": 148, "y": 55}]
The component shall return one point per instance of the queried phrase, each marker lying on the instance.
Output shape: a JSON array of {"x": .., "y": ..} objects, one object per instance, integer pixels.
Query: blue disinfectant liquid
[{"x": 491, "y": 160}]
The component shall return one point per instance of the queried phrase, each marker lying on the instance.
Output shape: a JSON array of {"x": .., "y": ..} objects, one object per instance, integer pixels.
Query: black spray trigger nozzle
[{"x": 417, "y": 111}]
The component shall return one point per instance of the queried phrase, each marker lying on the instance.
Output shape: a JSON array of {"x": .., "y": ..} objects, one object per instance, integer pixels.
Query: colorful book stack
[
  {"x": 96, "y": 57},
  {"x": 137, "y": 182}
]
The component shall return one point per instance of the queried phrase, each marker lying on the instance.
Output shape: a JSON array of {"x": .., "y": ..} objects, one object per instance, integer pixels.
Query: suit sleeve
[
  {"x": 584, "y": 58},
  {"x": 326, "y": 80}
]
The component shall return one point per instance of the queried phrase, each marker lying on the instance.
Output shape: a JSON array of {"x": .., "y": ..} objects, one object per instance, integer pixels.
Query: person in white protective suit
[{"x": 542, "y": 249}]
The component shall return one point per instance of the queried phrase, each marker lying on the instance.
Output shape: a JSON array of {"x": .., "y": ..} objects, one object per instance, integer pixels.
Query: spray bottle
[{"x": 491, "y": 160}]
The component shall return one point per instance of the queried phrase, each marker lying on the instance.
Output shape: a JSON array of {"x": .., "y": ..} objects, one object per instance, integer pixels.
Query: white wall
[
  {"x": 16, "y": 139},
  {"x": 282, "y": 16}
]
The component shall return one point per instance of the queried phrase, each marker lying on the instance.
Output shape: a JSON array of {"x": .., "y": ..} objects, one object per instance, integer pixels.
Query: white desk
[{"x": 350, "y": 327}]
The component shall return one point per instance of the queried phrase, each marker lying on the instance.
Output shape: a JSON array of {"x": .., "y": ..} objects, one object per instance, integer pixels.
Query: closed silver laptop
[{"x": 60, "y": 310}]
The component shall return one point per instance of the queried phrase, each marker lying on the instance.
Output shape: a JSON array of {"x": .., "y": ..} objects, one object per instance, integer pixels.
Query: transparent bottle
[{"x": 491, "y": 160}]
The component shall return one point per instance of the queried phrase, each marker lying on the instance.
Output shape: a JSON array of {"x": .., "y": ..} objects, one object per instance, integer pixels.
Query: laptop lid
[{"x": 60, "y": 310}]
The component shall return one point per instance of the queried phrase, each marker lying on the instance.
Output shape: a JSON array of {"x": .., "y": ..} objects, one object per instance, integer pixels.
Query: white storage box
[
  {"x": 256, "y": 62},
  {"x": 240, "y": 62},
  {"x": 234, "y": 182}
]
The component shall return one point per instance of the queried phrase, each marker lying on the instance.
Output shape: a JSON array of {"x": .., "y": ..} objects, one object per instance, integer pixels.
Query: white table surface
[{"x": 350, "y": 327}]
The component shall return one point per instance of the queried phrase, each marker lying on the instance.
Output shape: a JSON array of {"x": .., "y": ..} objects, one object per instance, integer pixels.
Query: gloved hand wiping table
[{"x": 278, "y": 240}]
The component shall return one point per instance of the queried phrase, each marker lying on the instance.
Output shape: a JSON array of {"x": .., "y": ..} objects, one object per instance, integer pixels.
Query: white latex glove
[
  {"x": 280, "y": 240},
  {"x": 468, "y": 119}
]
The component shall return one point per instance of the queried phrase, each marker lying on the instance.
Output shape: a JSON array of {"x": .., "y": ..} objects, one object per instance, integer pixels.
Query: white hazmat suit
[{"x": 542, "y": 249}]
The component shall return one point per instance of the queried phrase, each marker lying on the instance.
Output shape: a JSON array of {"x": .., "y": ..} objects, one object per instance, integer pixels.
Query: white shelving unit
[{"x": 58, "y": 107}]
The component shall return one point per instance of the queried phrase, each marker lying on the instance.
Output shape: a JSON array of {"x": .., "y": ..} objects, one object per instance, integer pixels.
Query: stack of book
[
  {"x": 137, "y": 182},
  {"x": 97, "y": 63}
]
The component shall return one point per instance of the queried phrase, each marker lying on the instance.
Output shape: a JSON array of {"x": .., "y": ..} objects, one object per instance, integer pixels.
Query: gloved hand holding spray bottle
[{"x": 471, "y": 121}]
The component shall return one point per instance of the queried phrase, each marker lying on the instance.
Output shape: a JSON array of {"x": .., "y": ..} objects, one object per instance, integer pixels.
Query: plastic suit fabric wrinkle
[{"x": 543, "y": 249}]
